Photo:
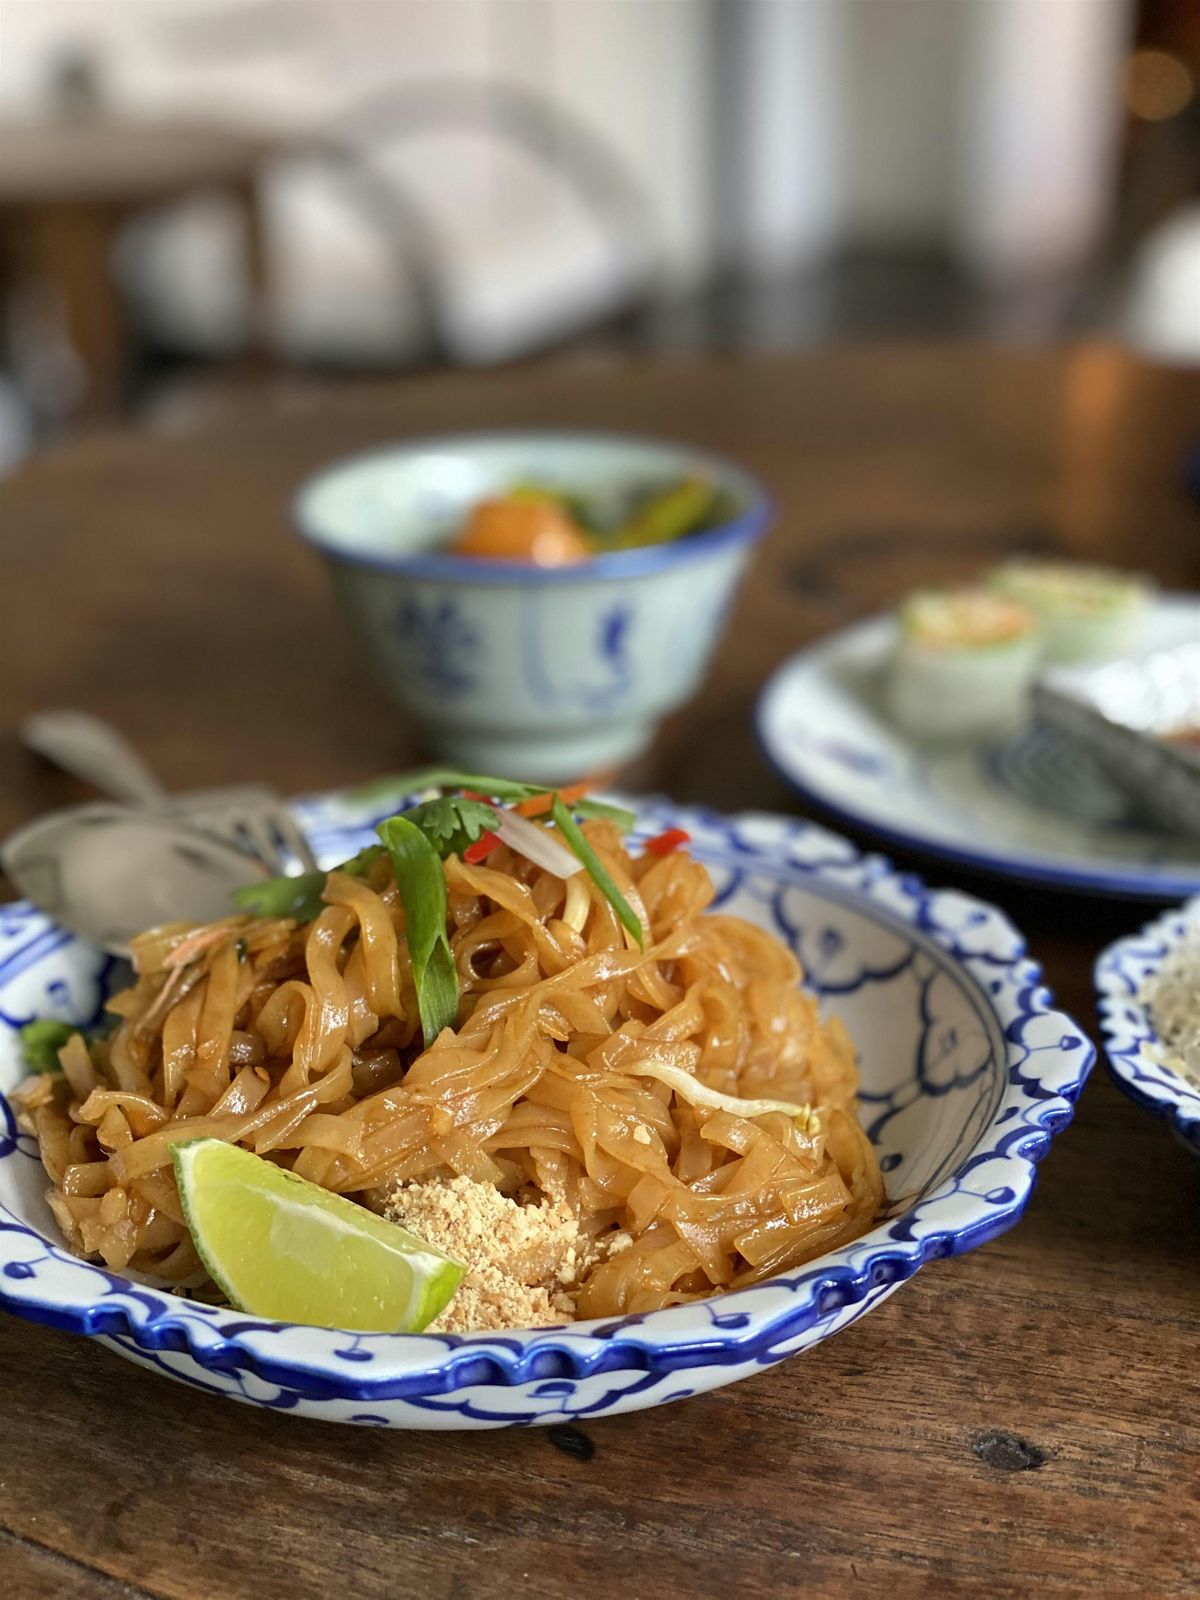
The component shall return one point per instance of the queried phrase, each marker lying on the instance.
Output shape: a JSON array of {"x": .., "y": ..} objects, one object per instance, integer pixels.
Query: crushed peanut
[
  {"x": 516, "y": 1255},
  {"x": 642, "y": 1134}
]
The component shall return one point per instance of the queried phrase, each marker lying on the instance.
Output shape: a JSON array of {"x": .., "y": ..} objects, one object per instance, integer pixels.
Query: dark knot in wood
[
  {"x": 571, "y": 1441},
  {"x": 1007, "y": 1453}
]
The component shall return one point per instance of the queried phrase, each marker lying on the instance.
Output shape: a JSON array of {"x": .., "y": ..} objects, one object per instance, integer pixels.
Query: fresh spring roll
[
  {"x": 1083, "y": 613},
  {"x": 963, "y": 664}
]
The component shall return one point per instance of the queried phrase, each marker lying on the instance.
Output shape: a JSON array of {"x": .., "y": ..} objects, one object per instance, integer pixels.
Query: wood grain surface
[{"x": 1025, "y": 1419}]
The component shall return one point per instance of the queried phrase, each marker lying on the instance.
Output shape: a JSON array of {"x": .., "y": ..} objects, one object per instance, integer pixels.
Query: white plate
[{"x": 1033, "y": 807}]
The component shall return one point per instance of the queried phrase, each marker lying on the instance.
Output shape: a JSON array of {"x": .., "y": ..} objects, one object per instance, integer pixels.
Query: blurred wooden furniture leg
[
  {"x": 68, "y": 247},
  {"x": 66, "y": 186},
  {"x": 259, "y": 354}
]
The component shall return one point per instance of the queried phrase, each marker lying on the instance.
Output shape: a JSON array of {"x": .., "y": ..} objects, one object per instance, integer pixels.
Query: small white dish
[
  {"x": 967, "y": 1073},
  {"x": 1131, "y": 1043},
  {"x": 1033, "y": 806}
]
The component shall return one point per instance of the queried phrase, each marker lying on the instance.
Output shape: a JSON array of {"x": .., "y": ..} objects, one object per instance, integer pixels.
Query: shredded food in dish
[
  {"x": 630, "y": 1127},
  {"x": 1172, "y": 996}
]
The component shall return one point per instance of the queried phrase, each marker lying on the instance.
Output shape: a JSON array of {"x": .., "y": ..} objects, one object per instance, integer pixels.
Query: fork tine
[
  {"x": 292, "y": 834},
  {"x": 256, "y": 826},
  {"x": 224, "y": 824},
  {"x": 254, "y": 818}
]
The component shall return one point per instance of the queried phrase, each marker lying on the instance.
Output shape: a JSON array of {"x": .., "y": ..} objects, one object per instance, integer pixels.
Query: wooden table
[
  {"x": 1022, "y": 1420},
  {"x": 66, "y": 188}
]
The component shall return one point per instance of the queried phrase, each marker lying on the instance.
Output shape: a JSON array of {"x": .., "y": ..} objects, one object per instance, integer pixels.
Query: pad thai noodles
[{"x": 497, "y": 1015}]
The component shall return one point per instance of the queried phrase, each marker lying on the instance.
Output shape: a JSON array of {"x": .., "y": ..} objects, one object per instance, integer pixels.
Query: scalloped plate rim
[
  {"x": 612, "y": 1344},
  {"x": 1178, "y": 1102}
]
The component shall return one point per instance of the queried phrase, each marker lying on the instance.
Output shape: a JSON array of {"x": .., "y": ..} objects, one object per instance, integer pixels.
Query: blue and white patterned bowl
[
  {"x": 549, "y": 672},
  {"x": 967, "y": 1072},
  {"x": 1129, "y": 1034}
]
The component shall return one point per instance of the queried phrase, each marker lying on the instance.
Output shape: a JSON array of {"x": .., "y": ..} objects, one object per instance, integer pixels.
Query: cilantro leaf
[{"x": 452, "y": 823}]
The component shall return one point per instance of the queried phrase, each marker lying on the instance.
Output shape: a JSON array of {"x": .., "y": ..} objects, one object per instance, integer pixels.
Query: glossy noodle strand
[{"x": 560, "y": 1081}]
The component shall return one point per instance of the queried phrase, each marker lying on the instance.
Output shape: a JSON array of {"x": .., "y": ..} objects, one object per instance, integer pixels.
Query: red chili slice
[
  {"x": 663, "y": 843},
  {"x": 482, "y": 847}
]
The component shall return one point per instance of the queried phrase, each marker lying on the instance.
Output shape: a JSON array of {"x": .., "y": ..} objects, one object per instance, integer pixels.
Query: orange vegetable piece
[
  {"x": 538, "y": 804},
  {"x": 522, "y": 530}
]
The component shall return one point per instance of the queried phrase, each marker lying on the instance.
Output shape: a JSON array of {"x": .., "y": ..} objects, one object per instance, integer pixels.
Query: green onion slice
[
  {"x": 573, "y": 837},
  {"x": 422, "y": 886}
]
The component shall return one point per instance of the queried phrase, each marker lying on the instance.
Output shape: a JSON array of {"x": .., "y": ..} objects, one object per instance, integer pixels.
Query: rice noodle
[{"x": 687, "y": 1095}]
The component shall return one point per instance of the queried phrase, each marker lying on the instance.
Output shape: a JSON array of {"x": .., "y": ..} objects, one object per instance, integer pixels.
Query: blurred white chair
[
  {"x": 379, "y": 255},
  {"x": 16, "y": 427},
  {"x": 1162, "y": 304}
]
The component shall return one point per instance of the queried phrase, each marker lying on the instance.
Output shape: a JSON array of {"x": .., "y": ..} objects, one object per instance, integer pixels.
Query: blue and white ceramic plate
[
  {"x": 1130, "y": 1041},
  {"x": 1035, "y": 807},
  {"x": 967, "y": 1073}
]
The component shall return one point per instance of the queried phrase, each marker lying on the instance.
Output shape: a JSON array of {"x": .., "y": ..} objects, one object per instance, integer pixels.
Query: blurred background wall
[{"x": 473, "y": 181}]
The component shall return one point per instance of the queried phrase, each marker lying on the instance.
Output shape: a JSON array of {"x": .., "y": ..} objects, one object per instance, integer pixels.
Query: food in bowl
[
  {"x": 1148, "y": 989},
  {"x": 963, "y": 663},
  {"x": 1172, "y": 998},
  {"x": 567, "y": 1087},
  {"x": 554, "y": 528},
  {"x": 506, "y": 662}
]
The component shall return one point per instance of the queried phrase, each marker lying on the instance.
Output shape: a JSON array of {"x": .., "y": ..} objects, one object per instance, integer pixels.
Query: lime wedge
[{"x": 279, "y": 1246}]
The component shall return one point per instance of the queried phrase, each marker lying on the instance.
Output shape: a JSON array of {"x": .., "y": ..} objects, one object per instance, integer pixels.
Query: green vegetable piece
[
  {"x": 298, "y": 897},
  {"x": 572, "y": 836},
  {"x": 495, "y": 788},
  {"x": 42, "y": 1039},
  {"x": 452, "y": 823},
  {"x": 422, "y": 886},
  {"x": 574, "y": 505},
  {"x": 444, "y": 778},
  {"x": 598, "y": 811},
  {"x": 359, "y": 865},
  {"x": 669, "y": 515}
]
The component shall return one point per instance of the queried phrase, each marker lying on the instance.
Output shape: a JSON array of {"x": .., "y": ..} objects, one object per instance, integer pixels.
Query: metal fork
[{"x": 250, "y": 816}]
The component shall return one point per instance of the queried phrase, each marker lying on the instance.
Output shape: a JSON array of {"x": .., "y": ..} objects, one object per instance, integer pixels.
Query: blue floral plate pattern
[
  {"x": 1130, "y": 1038},
  {"x": 967, "y": 1073}
]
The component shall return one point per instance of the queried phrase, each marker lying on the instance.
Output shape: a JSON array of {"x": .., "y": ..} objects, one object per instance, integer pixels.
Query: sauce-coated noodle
[{"x": 303, "y": 1044}]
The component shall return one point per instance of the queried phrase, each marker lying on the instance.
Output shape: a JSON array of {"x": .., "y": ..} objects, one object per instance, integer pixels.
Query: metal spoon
[
  {"x": 248, "y": 816},
  {"x": 95, "y": 751},
  {"x": 109, "y": 872}
]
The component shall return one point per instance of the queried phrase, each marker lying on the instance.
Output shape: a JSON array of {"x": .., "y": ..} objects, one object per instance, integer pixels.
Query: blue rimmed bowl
[
  {"x": 508, "y": 667},
  {"x": 1133, "y": 1049},
  {"x": 967, "y": 1072}
]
